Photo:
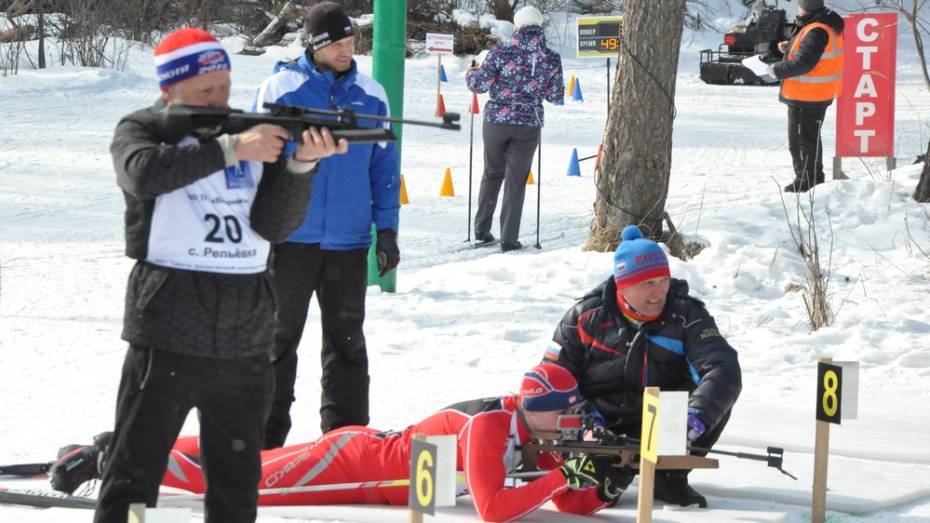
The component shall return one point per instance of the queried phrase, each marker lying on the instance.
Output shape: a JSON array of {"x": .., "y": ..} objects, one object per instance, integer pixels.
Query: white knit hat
[{"x": 528, "y": 15}]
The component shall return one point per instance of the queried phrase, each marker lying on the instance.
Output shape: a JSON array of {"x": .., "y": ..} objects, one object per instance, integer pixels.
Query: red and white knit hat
[{"x": 186, "y": 53}]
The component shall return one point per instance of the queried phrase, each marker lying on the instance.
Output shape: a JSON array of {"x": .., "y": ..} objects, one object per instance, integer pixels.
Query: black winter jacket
[
  {"x": 809, "y": 53},
  {"x": 187, "y": 311},
  {"x": 614, "y": 360}
]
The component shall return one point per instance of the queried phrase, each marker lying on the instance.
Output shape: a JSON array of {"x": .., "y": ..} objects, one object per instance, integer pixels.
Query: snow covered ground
[{"x": 466, "y": 323}]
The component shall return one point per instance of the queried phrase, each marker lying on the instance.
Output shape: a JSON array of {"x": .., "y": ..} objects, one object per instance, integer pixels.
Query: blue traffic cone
[
  {"x": 442, "y": 74},
  {"x": 574, "y": 169},
  {"x": 576, "y": 92}
]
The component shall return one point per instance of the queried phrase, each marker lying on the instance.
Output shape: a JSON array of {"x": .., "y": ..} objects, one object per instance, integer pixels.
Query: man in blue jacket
[{"x": 327, "y": 254}]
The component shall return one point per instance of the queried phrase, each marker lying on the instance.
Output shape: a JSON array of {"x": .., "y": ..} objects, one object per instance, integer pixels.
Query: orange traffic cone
[
  {"x": 440, "y": 107},
  {"x": 529, "y": 178},
  {"x": 403, "y": 191},
  {"x": 446, "y": 189},
  {"x": 597, "y": 161},
  {"x": 474, "y": 108}
]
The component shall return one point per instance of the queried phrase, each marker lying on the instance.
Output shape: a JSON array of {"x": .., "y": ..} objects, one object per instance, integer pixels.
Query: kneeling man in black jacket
[{"x": 639, "y": 329}]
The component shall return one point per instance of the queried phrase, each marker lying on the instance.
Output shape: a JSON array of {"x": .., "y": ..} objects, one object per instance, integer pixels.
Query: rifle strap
[{"x": 529, "y": 455}]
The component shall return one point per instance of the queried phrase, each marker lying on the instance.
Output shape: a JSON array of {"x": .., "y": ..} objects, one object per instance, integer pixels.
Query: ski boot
[
  {"x": 77, "y": 464},
  {"x": 672, "y": 487}
]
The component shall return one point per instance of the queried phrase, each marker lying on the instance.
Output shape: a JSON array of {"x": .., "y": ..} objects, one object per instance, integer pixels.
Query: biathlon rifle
[
  {"x": 206, "y": 122},
  {"x": 569, "y": 440}
]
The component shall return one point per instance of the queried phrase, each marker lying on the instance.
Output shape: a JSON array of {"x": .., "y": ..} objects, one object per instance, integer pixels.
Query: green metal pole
[{"x": 388, "y": 52}]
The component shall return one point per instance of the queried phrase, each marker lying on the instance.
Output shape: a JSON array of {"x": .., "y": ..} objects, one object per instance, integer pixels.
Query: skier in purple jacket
[{"x": 519, "y": 73}]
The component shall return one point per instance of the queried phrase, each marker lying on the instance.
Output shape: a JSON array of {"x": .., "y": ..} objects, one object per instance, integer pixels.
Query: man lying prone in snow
[{"x": 490, "y": 434}]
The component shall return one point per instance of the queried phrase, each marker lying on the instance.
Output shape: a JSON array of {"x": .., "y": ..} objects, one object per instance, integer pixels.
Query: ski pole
[
  {"x": 538, "y": 187},
  {"x": 303, "y": 489},
  {"x": 460, "y": 476},
  {"x": 471, "y": 147}
]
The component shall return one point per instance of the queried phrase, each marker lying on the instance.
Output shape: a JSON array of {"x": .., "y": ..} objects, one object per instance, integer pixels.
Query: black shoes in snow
[
  {"x": 507, "y": 246},
  {"x": 673, "y": 488},
  {"x": 484, "y": 237},
  {"x": 803, "y": 184},
  {"x": 77, "y": 464}
]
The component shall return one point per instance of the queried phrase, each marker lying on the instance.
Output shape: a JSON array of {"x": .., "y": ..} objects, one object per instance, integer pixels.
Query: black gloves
[
  {"x": 387, "y": 251},
  {"x": 616, "y": 481},
  {"x": 587, "y": 470}
]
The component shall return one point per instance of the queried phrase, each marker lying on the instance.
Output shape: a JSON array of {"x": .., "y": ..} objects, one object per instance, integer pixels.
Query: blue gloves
[{"x": 696, "y": 427}]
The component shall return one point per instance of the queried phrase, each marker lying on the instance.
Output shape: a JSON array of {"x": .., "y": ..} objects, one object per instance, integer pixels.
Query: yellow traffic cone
[
  {"x": 571, "y": 86},
  {"x": 529, "y": 178},
  {"x": 446, "y": 189},
  {"x": 403, "y": 191}
]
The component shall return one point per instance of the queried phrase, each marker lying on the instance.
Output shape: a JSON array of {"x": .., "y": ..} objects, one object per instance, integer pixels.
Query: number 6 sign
[{"x": 422, "y": 497}]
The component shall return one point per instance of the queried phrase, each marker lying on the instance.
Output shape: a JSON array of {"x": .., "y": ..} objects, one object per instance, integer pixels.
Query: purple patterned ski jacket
[{"x": 520, "y": 73}]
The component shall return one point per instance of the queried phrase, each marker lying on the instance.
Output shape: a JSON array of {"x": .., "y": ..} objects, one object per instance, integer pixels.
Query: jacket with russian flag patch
[{"x": 614, "y": 361}]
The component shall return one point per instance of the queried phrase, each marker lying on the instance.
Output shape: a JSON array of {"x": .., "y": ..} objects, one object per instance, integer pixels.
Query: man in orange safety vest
[{"x": 812, "y": 76}]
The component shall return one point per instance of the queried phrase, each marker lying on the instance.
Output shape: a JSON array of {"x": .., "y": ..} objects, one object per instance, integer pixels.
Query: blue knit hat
[
  {"x": 638, "y": 259},
  {"x": 548, "y": 387}
]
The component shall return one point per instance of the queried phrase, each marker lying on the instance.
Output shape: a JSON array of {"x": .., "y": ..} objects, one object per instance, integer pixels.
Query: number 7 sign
[{"x": 649, "y": 441}]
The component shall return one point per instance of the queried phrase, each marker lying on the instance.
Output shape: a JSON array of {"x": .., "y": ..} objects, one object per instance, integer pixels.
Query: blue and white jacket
[{"x": 351, "y": 191}]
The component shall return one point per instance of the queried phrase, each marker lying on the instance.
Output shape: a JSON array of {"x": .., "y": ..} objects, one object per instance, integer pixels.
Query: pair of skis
[{"x": 36, "y": 497}]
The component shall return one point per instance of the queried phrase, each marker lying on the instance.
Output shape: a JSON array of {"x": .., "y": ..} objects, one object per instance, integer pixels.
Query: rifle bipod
[{"x": 774, "y": 457}]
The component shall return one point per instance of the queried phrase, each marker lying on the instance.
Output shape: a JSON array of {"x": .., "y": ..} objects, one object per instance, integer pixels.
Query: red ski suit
[{"x": 489, "y": 433}]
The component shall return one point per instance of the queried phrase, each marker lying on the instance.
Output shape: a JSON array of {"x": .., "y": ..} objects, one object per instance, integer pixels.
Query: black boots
[
  {"x": 672, "y": 487},
  {"x": 803, "y": 183}
]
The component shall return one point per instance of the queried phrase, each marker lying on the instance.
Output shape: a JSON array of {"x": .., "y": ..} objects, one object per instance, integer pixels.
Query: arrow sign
[{"x": 439, "y": 43}]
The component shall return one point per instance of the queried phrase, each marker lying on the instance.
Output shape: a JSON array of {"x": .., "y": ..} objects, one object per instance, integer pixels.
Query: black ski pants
[
  {"x": 340, "y": 281},
  {"x": 804, "y": 125},
  {"x": 156, "y": 392},
  {"x": 508, "y": 156}
]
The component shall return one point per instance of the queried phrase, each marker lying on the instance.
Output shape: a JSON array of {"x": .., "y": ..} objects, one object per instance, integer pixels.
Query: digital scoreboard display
[{"x": 599, "y": 36}]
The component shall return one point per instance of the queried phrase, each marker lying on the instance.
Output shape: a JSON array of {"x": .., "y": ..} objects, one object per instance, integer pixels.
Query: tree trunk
[
  {"x": 503, "y": 10},
  {"x": 922, "y": 192},
  {"x": 636, "y": 162},
  {"x": 919, "y": 43},
  {"x": 40, "y": 15}
]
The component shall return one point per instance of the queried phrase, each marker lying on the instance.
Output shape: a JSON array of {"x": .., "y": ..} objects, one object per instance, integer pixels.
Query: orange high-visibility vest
[{"x": 825, "y": 81}]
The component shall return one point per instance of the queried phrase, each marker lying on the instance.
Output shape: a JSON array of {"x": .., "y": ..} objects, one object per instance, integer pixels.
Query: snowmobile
[{"x": 765, "y": 26}]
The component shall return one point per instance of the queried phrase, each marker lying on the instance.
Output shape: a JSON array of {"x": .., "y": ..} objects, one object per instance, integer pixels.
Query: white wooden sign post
[{"x": 439, "y": 44}]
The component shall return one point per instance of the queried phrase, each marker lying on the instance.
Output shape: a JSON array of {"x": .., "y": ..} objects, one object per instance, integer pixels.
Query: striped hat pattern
[
  {"x": 638, "y": 259},
  {"x": 548, "y": 387},
  {"x": 186, "y": 53}
]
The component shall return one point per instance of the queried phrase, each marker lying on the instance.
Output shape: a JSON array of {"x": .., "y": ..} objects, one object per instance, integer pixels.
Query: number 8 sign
[{"x": 829, "y": 392}]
